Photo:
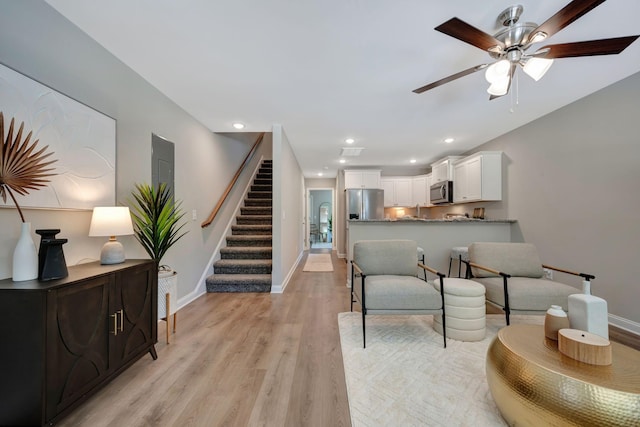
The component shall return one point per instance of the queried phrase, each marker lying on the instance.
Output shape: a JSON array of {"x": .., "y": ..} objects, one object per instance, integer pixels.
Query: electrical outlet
[{"x": 548, "y": 274}]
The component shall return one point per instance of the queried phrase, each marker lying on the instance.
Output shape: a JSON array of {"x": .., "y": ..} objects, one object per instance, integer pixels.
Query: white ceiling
[{"x": 327, "y": 70}]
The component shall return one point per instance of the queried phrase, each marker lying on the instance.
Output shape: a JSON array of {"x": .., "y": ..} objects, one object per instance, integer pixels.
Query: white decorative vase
[
  {"x": 25, "y": 256},
  {"x": 589, "y": 312},
  {"x": 554, "y": 320}
]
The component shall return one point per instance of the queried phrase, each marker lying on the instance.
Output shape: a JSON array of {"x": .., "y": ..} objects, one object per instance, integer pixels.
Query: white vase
[
  {"x": 554, "y": 320},
  {"x": 25, "y": 256}
]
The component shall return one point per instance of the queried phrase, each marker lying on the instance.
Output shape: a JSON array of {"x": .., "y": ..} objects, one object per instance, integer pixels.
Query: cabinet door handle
[
  {"x": 121, "y": 320},
  {"x": 115, "y": 323}
]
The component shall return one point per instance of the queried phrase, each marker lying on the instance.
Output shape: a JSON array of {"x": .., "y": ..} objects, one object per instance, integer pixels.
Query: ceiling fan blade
[
  {"x": 450, "y": 78},
  {"x": 566, "y": 16},
  {"x": 589, "y": 48},
  {"x": 460, "y": 30}
]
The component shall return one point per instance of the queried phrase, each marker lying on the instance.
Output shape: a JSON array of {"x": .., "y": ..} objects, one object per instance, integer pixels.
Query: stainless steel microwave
[{"x": 441, "y": 192}]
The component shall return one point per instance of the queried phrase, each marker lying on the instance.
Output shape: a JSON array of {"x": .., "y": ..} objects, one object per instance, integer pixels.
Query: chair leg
[
  {"x": 364, "y": 338},
  {"x": 459, "y": 265},
  {"x": 444, "y": 314},
  {"x": 450, "y": 260}
]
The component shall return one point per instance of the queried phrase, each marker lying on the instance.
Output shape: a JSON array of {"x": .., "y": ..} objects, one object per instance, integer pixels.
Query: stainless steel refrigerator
[{"x": 365, "y": 204}]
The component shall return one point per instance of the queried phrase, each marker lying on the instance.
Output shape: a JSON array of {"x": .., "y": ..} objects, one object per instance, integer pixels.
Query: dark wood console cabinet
[{"x": 63, "y": 340}]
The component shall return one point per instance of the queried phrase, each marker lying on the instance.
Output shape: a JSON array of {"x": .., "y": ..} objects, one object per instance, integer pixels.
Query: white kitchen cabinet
[
  {"x": 420, "y": 190},
  {"x": 478, "y": 177},
  {"x": 442, "y": 170},
  {"x": 397, "y": 191},
  {"x": 429, "y": 181},
  {"x": 364, "y": 178}
]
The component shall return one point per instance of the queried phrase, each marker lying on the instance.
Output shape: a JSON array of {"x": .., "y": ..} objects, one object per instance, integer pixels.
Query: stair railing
[{"x": 215, "y": 210}]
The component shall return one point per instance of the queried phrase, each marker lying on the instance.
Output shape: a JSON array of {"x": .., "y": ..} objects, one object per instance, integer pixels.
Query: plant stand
[{"x": 167, "y": 298}]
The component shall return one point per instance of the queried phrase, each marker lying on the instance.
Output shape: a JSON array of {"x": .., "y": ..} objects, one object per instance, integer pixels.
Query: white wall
[
  {"x": 288, "y": 213},
  {"x": 35, "y": 40}
]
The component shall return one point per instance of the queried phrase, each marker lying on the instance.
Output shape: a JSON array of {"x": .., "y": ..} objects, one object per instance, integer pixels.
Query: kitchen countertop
[{"x": 434, "y": 220}]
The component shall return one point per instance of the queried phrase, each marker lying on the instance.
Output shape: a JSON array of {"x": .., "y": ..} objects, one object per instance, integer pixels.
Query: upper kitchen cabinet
[
  {"x": 478, "y": 177},
  {"x": 442, "y": 170},
  {"x": 364, "y": 178},
  {"x": 420, "y": 190},
  {"x": 397, "y": 191}
]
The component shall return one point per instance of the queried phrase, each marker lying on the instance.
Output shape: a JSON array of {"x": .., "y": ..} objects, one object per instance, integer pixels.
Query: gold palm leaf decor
[{"x": 22, "y": 168}]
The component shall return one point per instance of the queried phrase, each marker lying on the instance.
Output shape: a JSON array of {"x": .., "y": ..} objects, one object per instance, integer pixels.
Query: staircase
[{"x": 245, "y": 264}]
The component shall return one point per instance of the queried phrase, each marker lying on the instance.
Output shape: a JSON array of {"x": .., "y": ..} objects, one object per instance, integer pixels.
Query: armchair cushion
[
  {"x": 388, "y": 292},
  {"x": 516, "y": 259},
  {"x": 527, "y": 294},
  {"x": 386, "y": 257}
]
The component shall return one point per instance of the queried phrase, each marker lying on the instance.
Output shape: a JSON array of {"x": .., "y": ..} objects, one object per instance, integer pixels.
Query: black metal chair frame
[{"x": 357, "y": 272}]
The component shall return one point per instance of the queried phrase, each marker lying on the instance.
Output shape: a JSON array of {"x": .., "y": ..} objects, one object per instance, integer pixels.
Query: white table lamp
[{"x": 111, "y": 221}]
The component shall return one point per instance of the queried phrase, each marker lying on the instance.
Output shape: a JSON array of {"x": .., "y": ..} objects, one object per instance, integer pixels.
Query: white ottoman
[{"x": 464, "y": 305}]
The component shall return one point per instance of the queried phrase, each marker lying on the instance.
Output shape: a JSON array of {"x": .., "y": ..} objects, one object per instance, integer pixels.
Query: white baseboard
[
  {"x": 626, "y": 324},
  {"x": 341, "y": 255},
  {"x": 280, "y": 288}
]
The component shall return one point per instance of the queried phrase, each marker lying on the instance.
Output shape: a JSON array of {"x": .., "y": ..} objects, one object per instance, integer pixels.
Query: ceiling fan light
[
  {"x": 538, "y": 37},
  {"x": 497, "y": 70},
  {"x": 537, "y": 67},
  {"x": 499, "y": 87}
]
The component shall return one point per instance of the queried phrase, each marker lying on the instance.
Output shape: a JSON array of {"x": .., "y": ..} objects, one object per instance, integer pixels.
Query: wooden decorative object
[{"x": 585, "y": 347}]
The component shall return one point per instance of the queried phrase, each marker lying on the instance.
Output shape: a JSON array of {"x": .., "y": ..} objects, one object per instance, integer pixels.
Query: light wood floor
[{"x": 239, "y": 360}]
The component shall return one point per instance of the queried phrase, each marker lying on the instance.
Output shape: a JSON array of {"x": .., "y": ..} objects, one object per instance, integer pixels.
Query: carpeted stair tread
[
  {"x": 260, "y": 195},
  {"x": 256, "y": 210},
  {"x": 253, "y": 220},
  {"x": 246, "y": 252},
  {"x": 254, "y": 240},
  {"x": 239, "y": 283},
  {"x": 251, "y": 229},
  {"x": 242, "y": 266},
  {"x": 257, "y": 202}
]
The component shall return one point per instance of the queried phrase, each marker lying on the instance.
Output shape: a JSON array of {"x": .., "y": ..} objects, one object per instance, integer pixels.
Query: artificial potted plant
[
  {"x": 156, "y": 219},
  {"x": 156, "y": 224}
]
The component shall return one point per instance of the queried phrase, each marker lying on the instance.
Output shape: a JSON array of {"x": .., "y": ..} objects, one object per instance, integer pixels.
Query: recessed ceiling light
[
  {"x": 412, "y": 161},
  {"x": 319, "y": 173},
  {"x": 349, "y": 140},
  {"x": 449, "y": 140},
  {"x": 342, "y": 161},
  {"x": 238, "y": 125}
]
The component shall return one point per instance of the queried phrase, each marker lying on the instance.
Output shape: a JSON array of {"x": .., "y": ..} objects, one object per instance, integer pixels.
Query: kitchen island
[{"x": 435, "y": 236}]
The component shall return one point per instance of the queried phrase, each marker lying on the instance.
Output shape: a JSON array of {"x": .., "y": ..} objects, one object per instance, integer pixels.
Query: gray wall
[
  {"x": 288, "y": 210},
  {"x": 35, "y": 40},
  {"x": 571, "y": 181}
]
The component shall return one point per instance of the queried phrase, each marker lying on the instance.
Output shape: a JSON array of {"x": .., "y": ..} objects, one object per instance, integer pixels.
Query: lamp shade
[
  {"x": 497, "y": 71},
  {"x": 111, "y": 221},
  {"x": 537, "y": 67}
]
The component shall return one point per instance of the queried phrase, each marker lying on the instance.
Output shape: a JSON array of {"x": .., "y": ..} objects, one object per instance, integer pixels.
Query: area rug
[
  {"x": 405, "y": 377},
  {"x": 318, "y": 262}
]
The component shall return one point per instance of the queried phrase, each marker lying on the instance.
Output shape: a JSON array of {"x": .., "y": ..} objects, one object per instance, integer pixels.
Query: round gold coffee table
[{"x": 533, "y": 384}]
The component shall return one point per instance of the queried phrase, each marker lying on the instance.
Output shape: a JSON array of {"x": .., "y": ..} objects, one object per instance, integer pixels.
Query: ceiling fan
[{"x": 508, "y": 47}]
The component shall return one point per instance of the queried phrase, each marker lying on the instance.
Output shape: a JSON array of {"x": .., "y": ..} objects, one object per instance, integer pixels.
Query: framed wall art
[{"x": 83, "y": 142}]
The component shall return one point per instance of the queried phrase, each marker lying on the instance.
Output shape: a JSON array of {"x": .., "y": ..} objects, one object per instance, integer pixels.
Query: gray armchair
[
  {"x": 384, "y": 281},
  {"x": 513, "y": 276}
]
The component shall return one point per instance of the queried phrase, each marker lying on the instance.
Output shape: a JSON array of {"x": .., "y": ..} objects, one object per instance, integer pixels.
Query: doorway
[{"x": 320, "y": 218}]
